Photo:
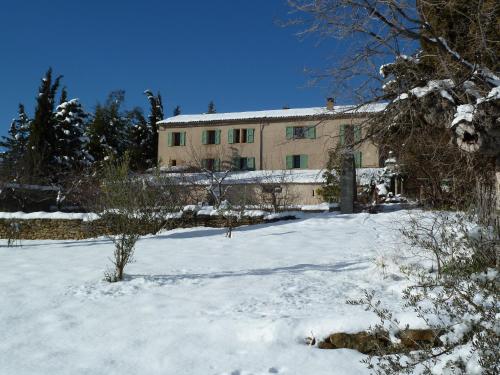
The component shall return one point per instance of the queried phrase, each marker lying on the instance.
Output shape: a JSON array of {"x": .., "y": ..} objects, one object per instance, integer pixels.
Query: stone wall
[{"x": 76, "y": 229}]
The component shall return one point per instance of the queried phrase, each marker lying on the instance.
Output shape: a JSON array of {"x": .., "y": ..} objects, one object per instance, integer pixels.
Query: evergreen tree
[
  {"x": 156, "y": 115},
  {"x": 177, "y": 111},
  {"x": 108, "y": 132},
  {"x": 211, "y": 107},
  {"x": 39, "y": 155},
  {"x": 15, "y": 144},
  {"x": 71, "y": 143},
  {"x": 141, "y": 141}
]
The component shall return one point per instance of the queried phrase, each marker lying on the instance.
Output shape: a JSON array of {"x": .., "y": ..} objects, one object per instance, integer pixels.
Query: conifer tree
[
  {"x": 141, "y": 141},
  {"x": 156, "y": 115},
  {"x": 108, "y": 132},
  {"x": 211, "y": 107},
  {"x": 177, "y": 111},
  {"x": 15, "y": 144},
  {"x": 40, "y": 150},
  {"x": 70, "y": 149}
]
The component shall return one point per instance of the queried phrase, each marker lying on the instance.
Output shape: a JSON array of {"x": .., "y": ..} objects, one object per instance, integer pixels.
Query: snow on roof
[
  {"x": 275, "y": 114},
  {"x": 295, "y": 176}
]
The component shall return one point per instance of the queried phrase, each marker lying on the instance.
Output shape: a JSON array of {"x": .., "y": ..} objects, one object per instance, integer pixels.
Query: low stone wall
[{"x": 77, "y": 229}]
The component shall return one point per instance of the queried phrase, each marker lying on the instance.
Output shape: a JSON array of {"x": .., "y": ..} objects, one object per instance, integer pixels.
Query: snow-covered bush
[{"x": 460, "y": 300}]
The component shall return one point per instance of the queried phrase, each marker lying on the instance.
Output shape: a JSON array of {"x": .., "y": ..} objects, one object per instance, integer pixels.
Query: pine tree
[
  {"x": 39, "y": 156},
  {"x": 141, "y": 141},
  {"x": 107, "y": 132},
  {"x": 177, "y": 111},
  {"x": 211, "y": 107},
  {"x": 70, "y": 149},
  {"x": 156, "y": 115},
  {"x": 15, "y": 144}
]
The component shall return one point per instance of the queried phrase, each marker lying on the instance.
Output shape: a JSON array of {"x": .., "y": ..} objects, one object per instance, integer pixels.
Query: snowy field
[{"x": 195, "y": 302}]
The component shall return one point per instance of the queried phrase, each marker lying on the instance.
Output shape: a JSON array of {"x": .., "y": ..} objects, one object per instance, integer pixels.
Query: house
[{"x": 299, "y": 138}]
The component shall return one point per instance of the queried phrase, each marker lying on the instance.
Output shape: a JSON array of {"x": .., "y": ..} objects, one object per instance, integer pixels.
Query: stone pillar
[{"x": 348, "y": 177}]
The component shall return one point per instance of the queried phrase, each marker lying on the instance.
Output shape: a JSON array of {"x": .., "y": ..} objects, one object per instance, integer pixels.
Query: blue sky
[{"x": 195, "y": 51}]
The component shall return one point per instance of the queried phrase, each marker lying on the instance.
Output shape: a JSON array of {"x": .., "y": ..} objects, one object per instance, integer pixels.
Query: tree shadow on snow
[{"x": 296, "y": 269}]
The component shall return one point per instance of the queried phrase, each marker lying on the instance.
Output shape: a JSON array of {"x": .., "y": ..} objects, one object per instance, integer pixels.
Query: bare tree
[{"x": 129, "y": 206}]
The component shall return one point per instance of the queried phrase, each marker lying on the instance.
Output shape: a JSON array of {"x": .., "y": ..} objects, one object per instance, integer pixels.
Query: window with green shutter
[
  {"x": 358, "y": 159},
  {"x": 250, "y": 135},
  {"x": 230, "y": 136},
  {"x": 216, "y": 165},
  {"x": 342, "y": 135},
  {"x": 217, "y": 137},
  {"x": 304, "y": 161},
  {"x": 289, "y": 132},
  {"x": 311, "y": 132},
  {"x": 251, "y": 164},
  {"x": 176, "y": 138},
  {"x": 204, "y": 137},
  {"x": 210, "y": 137},
  {"x": 357, "y": 133},
  {"x": 289, "y": 162}
]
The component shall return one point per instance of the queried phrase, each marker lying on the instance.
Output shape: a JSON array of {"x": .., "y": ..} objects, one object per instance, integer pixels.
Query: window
[
  {"x": 301, "y": 132},
  {"x": 240, "y": 136},
  {"x": 210, "y": 137},
  {"x": 345, "y": 133},
  {"x": 211, "y": 164},
  {"x": 244, "y": 164},
  {"x": 177, "y": 139},
  {"x": 297, "y": 161},
  {"x": 173, "y": 163}
]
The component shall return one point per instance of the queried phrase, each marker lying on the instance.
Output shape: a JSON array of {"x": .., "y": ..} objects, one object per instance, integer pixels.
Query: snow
[
  {"x": 196, "y": 302},
  {"x": 48, "y": 215},
  {"x": 465, "y": 112},
  {"x": 296, "y": 176},
  {"x": 276, "y": 113}
]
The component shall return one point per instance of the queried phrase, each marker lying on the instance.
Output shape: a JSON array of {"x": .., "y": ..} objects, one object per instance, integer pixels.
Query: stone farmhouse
[
  {"x": 282, "y": 139},
  {"x": 276, "y": 150}
]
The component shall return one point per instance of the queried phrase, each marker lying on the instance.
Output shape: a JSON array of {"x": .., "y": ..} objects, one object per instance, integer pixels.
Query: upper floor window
[
  {"x": 300, "y": 132},
  {"x": 240, "y": 135},
  {"x": 210, "y": 137},
  {"x": 344, "y": 133},
  {"x": 176, "y": 138}
]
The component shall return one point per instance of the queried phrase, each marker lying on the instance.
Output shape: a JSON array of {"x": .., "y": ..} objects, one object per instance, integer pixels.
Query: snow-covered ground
[{"x": 195, "y": 302}]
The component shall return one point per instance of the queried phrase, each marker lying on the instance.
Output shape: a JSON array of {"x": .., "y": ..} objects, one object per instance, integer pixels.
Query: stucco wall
[{"x": 270, "y": 141}]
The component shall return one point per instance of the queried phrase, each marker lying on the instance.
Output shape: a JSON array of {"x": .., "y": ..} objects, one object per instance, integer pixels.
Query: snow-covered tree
[
  {"x": 108, "y": 130},
  {"x": 41, "y": 142},
  {"x": 141, "y": 141},
  {"x": 156, "y": 114},
  {"x": 71, "y": 147},
  {"x": 15, "y": 144}
]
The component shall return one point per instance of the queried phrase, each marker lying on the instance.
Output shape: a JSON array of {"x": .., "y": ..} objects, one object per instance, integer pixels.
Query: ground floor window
[
  {"x": 297, "y": 161},
  {"x": 244, "y": 163},
  {"x": 211, "y": 164}
]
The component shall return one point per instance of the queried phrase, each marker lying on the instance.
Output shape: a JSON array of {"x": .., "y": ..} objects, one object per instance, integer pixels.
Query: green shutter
[
  {"x": 251, "y": 163},
  {"x": 250, "y": 133},
  {"x": 204, "y": 137},
  {"x": 357, "y": 133},
  {"x": 230, "y": 136},
  {"x": 358, "y": 159},
  {"x": 304, "y": 161},
  {"x": 217, "y": 165},
  {"x": 204, "y": 163},
  {"x": 183, "y": 139},
  {"x": 311, "y": 132},
  {"x": 289, "y": 132},
  {"x": 217, "y": 137},
  {"x": 169, "y": 139},
  {"x": 342, "y": 135},
  {"x": 289, "y": 162}
]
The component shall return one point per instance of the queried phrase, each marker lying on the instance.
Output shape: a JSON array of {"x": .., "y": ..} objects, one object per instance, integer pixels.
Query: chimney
[{"x": 329, "y": 103}]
